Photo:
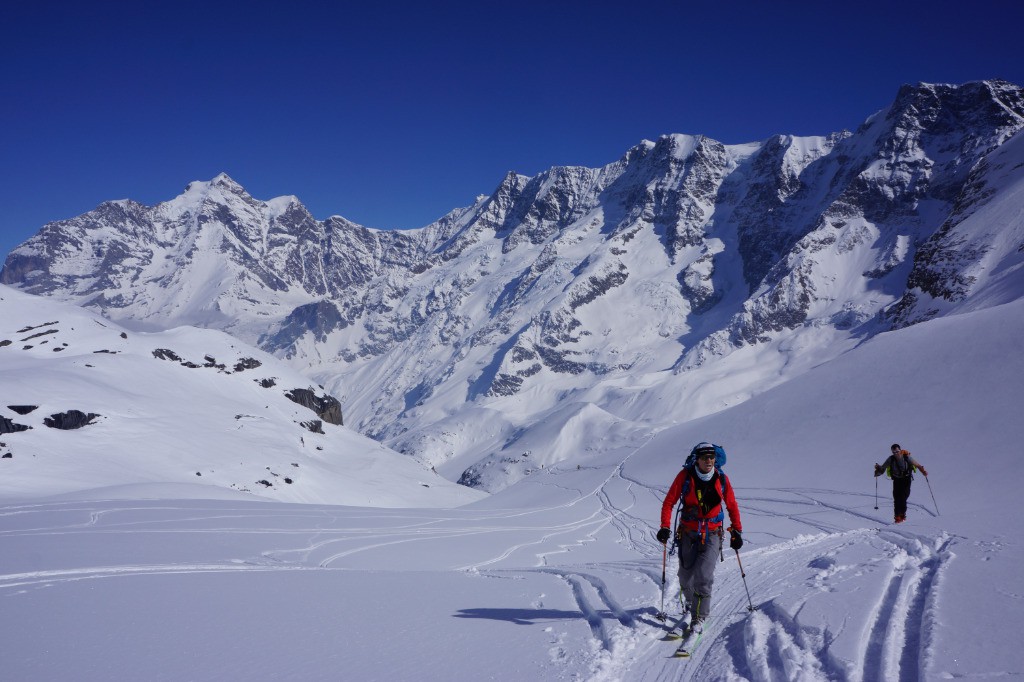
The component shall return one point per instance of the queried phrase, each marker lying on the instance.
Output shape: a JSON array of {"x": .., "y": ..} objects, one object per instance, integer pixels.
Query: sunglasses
[{"x": 702, "y": 457}]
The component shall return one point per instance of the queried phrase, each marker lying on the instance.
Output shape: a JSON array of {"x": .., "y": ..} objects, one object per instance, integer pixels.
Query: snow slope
[
  {"x": 558, "y": 577},
  {"x": 160, "y": 421}
]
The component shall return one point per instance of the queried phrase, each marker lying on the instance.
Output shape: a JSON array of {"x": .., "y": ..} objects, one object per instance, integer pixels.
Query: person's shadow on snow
[{"x": 521, "y": 616}]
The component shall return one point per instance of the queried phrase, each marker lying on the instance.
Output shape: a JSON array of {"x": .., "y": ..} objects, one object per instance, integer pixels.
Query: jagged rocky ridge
[{"x": 571, "y": 285}]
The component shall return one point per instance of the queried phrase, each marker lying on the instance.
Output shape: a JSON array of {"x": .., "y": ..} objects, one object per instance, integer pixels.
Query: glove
[
  {"x": 735, "y": 539},
  {"x": 878, "y": 470},
  {"x": 663, "y": 535}
]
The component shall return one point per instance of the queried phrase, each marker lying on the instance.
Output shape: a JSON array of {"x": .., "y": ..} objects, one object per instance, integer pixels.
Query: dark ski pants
[
  {"x": 697, "y": 562},
  {"x": 900, "y": 494}
]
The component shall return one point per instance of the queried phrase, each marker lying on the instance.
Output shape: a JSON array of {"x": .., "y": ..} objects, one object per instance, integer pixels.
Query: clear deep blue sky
[{"x": 393, "y": 113}]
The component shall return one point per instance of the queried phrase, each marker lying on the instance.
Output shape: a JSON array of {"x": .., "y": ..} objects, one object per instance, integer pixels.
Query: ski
[
  {"x": 678, "y": 627},
  {"x": 689, "y": 644}
]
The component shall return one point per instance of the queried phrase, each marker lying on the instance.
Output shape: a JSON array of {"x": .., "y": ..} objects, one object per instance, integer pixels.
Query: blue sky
[{"x": 393, "y": 113}]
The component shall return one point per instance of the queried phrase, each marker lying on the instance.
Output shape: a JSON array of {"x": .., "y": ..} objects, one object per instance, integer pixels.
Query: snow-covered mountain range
[{"x": 582, "y": 309}]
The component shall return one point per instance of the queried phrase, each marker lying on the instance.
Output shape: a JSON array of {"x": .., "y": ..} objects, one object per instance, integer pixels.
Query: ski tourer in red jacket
[
  {"x": 704, "y": 490},
  {"x": 702, "y": 502}
]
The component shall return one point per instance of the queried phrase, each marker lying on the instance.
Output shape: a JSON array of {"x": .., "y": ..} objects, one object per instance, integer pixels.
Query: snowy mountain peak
[
  {"x": 198, "y": 190},
  {"x": 221, "y": 180},
  {"x": 633, "y": 287}
]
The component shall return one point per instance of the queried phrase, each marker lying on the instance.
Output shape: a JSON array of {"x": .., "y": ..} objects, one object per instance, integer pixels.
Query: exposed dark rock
[
  {"x": 558, "y": 361},
  {"x": 265, "y": 482},
  {"x": 313, "y": 425},
  {"x": 25, "y": 330},
  {"x": 505, "y": 384},
  {"x": 7, "y": 455},
  {"x": 471, "y": 478},
  {"x": 7, "y": 426},
  {"x": 212, "y": 362},
  {"x": 266, "y": 383},
  {"x": 72, "y": 419},
  {"x": 166, "y": 354},
  {"x": 36, "y": 336},
  {"x": 5, "y": 342},
  {"x": 247, "y": 363},
  {"x": 320, "y": 318},
  {"x": 327, "y": 408},
  {"x": 597, "y": 285},
  {"x": 697, "y": 286},
  {"x": 22, "y": 409}
]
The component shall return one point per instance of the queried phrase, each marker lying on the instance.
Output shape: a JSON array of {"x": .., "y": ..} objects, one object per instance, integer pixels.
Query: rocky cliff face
[{"x": 620, "y": 286}]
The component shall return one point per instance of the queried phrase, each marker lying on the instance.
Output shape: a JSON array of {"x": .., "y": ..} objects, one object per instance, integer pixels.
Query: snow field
[{"x": 558, "y": 577}]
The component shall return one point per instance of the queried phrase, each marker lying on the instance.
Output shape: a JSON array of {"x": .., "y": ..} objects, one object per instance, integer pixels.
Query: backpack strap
[
  {"x": 723, "y": 484},
  {"x": 686, "y": 483}
]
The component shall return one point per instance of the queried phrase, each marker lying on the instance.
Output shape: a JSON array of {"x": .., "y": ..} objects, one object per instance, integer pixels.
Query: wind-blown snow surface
[{"x": 558, "y": 577}]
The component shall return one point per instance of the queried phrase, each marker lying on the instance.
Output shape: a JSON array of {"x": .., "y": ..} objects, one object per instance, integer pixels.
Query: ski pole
[
  {"x": 743, "y": 575},
  {"x": 664, "y": 560},
  {"x": 876, "y": 492},
  {"x": 932, "y": 494}
]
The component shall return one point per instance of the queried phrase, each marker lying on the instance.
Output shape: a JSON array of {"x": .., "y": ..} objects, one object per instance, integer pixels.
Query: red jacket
[{"x": 692, "y": 518}]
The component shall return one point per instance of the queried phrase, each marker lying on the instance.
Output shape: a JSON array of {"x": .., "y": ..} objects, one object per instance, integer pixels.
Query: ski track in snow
[
  {"x": 781, "y": 640},
  {"x": 772, "y": 642},
  {"x": 71, "y": 575}
]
